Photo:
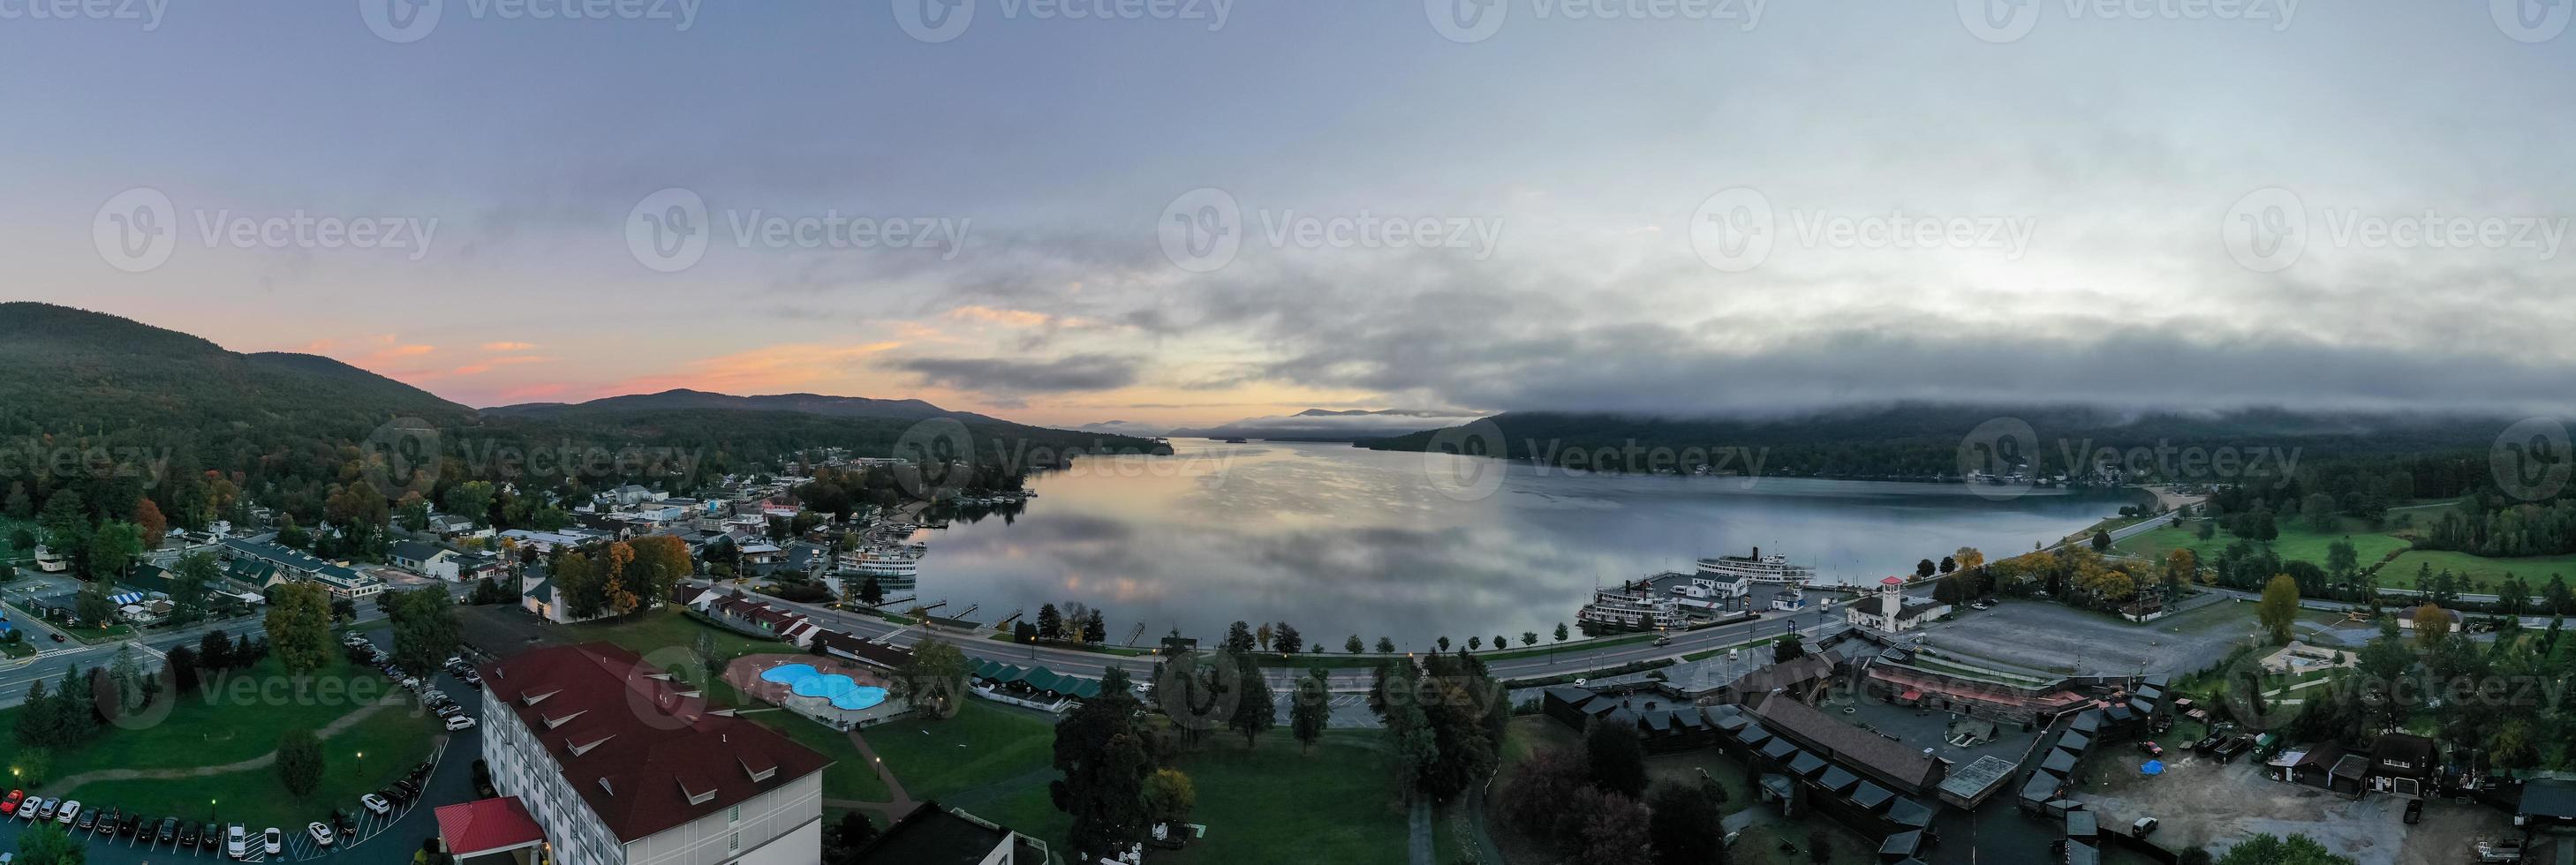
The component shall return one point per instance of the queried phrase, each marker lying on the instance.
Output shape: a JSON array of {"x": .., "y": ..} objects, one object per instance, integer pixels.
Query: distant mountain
[
  {"x": 73, "y": 370},
  {"x": 1924, "y": 441},
  {"x": 802, "y": 403},
  {"x": 1125, "y": 428},
  {"x": 1334, "y": 425}
]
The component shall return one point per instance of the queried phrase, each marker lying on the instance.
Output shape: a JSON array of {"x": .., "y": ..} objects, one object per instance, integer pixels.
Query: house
[
  {"x": 933, "y": 835},
  {"x": 2401, "y": 763},
  {"x": 1876, "y": 757},
  {"x": 537, "y": 596},
  {"x": 629, "y": 494},
  {"x": 618, "y": 764},
  {"x": 882, "y": 656},
  {"x": 1892, "y": 612},
  {"x": 428, "y": 560},
  {"x": 738, "y": 611},
  {"x": 51, "y": 562},
  {"x": 272, "y": 564},
  {"x": 2546, "y": 804},
  {"x": 472, "y": 566}
]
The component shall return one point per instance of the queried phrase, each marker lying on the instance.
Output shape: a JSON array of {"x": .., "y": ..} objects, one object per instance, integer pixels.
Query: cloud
[
  {"x": 509, "y": 346},
  {"x": 1000, "y": 376},
  {"x": 770, "y": 369}
]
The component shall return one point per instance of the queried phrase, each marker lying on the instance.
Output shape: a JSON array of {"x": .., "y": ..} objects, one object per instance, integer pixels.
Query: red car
[
  {"x": 2152, "y": 749},
  {"x": 10, "y": 805}
]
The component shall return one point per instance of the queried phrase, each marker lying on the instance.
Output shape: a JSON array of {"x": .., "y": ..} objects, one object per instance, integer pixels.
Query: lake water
[{"x": 1340, "y": 540}]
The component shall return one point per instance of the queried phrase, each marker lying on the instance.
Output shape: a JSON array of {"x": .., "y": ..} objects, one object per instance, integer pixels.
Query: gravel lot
[
  {"x": 2202, "y": 803},
  {"x": 2046, "y": 637}
]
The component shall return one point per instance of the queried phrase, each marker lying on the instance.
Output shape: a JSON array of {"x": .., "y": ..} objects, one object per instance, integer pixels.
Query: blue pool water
[{"x": 842, "y": 691}]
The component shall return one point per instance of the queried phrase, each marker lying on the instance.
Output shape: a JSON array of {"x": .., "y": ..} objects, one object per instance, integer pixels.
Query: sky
[{"x": 1194, "y": 211}]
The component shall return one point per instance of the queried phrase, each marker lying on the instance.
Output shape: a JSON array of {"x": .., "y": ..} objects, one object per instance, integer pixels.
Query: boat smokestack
[{"x": 1757, "y": 554}]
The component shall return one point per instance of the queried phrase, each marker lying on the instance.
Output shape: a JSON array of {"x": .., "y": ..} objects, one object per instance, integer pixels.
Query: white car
[
  {"x": 237, "y": 842},
  {"x": 460, "y": 722},
  {"x": 70, "y": 810},
  {"x": 272, "y": 842},
  {"x": 321, "y": 834},
  {"x": 376, "y": 804}
]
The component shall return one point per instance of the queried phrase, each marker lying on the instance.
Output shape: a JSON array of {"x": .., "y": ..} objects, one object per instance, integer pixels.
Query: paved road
[{"x": 1093, "y": 664}]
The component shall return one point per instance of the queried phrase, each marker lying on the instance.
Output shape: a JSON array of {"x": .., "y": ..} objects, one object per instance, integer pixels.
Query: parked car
[
  {"x": 345, "y": 821},
  {"x": 2414, "y": 811},
  {"x": 236, "y": 842},
  {"x": 109, "y": 820},
  {"x": 187, "y": 833},
  {"x": 89, "y": 821},
  {"x": 68, "y": 813},
  {"x": 2142, "y": 827},
  {"x": 322, "y": 835},
  {"x": 168, "y": 831},
  {"x": 9, "y": 805},
  {"x": 460, "y": 722},
  {"x": 132, "y": 823},
  {"x": 1981, "y": 605},
  {"x": 272, "y": 842},
  {"x": 210, "y": 836},
  {"x": 2151, "y": 749},
  {"x": 376, "y": 804},
  {"x": 46, "y": 811}
]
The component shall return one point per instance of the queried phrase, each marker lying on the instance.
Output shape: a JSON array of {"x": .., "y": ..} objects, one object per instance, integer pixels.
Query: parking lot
[
  {"x": 2203, "y": 803},
  {"x": 2054, "y": 639},
  {"x": 387, "y": 839}
]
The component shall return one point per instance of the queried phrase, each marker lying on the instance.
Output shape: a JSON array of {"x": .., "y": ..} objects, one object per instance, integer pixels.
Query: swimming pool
[{"x": 842, "y": 691}]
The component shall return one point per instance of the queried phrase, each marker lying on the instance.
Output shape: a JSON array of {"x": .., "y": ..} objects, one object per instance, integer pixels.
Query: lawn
[
  {"x": 986, "y": 743},
  {"x": 358, "y": 761},
  {"x": 1273, "y": 804},
  {"x": 667, "y": 629},
  {"x": 1762, "y": 844},
  {"x": 220, "y": 724},
  {"x": 2298, "y": 542},
  {"x": 2484, "y": 573},
  {"x": 850, "y": 776}
]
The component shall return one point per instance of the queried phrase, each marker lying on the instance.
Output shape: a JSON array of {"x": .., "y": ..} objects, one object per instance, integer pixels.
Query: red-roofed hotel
[{"x": 622, "y": 766}]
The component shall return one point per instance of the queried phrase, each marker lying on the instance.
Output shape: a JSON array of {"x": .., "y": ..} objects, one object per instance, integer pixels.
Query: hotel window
[
  {"x": 734, "y": 816},
  {"x": 735, "y": 845}
]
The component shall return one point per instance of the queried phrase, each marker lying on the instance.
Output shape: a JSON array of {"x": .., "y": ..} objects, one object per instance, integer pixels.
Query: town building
[
  {"x": 1891, "y": 611},
  {"x": 271, "y": 564},
  {"x": 622, "y": 765}
]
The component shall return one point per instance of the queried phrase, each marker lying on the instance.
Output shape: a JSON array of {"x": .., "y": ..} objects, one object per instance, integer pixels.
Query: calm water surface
[{"x": 1339, "y": 540}]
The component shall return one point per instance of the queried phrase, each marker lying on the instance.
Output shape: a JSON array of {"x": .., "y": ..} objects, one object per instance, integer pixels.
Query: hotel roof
[{"x": 644, "y": 754}]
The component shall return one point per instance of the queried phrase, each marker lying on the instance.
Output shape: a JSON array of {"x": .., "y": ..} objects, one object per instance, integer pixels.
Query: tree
[
  {"x": 1949, "y": 564},
  {"x": 299, "y": 627},
  {"x": 1050, "y": 622},
  {"x": 1615, "y": 830},
  {"x": 2279, "y": 607},
  {"x": 1529, "y": 638},
  {"x": 1618, "y": 760},
  {"x": 1685, "y": 824},
  {"x": 215, "y": 650},
  {"x": 660, "y": 561},
  {"x": 1239, "y": 639},
  {"x": 196, "y": 574},
  {"x": 1789, "y": 647},
  {"x": 935, "y": 677},
  {"x": 426, "y": 631},
  {"x": 1475, "y": 643},
  {"x": 47, "y": 844},
  {"x": 2432, "y": 626},
  {"x": 1170, "y": 796},
  {"x": 1286, "y": 640},
  {"x": 150, "y": 523},
  {"x": 182, "y": 663},
  {"x": 1560, "y": 632},
  {"x": 2276, "y": 850},
  {"x": 18, "y": 505},
  {"x": 1925, "y": 569},
  {"x": 1255, "y": 710},
  {"x": 1313, "y": 706},
  {"x": 853, "y": 831},
  {"x": 704, "y": 649},
  {"x": 1444, "y": 644},
  {"x": 299, "y": 762},
  {"x": 38, "y": 725},
  {"x": 1095, "y": 628},
  {"x": 1261, "y": 636},
  {"x": 871, "y": 593},
  {"x": 2101, "y": 541},
  {"x": 91, "y": 607},
  {"x": 1103, "y": 762},
  {"x": 1353, "y": 645},
  {"x": 1385, "y": 645},
  {"x": 112, "y": 548}
]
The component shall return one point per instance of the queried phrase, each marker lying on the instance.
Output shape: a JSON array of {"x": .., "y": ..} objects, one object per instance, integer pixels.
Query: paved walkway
[
  {"x": 1418, "y": 841},
  {"x": 337, "y": 725},
  {"x": 893, "y": 809}
]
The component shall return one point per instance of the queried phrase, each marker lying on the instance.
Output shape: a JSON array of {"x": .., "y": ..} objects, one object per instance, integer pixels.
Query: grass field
[
  {"x": 2297, "y": 542},
  {"x": 2485, "y": 573},
  {"x": 1272, "y": 804},
  {"x": 212, "y": 727},
  {"x": 850, "y": 776},
  {"x": 391, "y": 742},
  {"x": 986, "y": 743}
]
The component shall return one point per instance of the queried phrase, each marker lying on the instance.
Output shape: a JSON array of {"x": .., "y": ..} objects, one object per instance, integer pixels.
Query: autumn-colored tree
[
  {"x": 661, "y": 561},
  {"x": 2279, "y": 607},
  {"x": 148, "y": 516},
  {"x": 618, "y": 564},
  {"x": 2432, "y": 626}
]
